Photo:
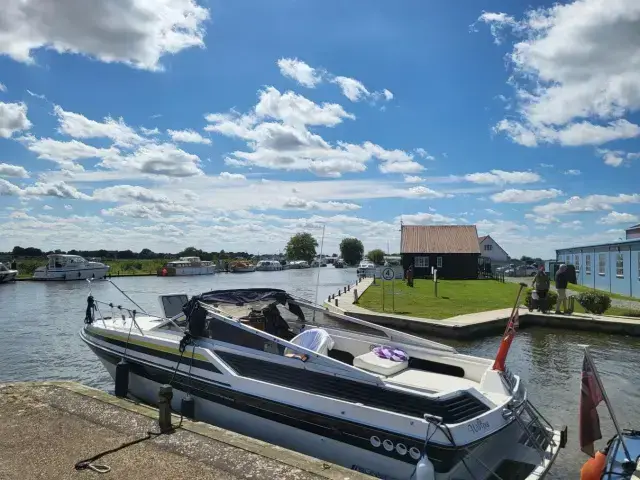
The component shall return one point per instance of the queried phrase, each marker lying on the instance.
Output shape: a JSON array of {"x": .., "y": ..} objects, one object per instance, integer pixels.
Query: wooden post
[
  {"x": 339, "y": 292},
  {"x": 345, "y": 290},
  {"x": 348, "y": 288},
  {"x": 336, "y": 302},
  {"x": 355, "y": 295}
]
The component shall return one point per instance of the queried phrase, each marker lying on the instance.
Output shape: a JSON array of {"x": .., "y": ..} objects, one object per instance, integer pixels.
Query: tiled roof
[{"x": 439, "y": 239}]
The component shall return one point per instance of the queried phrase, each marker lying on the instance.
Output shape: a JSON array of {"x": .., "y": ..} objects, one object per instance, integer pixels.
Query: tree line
[{"x": 303, "y": 245}]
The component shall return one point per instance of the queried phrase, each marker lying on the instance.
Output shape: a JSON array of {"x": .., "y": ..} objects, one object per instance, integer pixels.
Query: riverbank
[
  {"x": 47, "y": 427},
  {"x": 472, "y": 325}
]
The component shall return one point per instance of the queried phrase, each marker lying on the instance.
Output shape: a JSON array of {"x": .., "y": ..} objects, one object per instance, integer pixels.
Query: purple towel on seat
[{"x": 391, "y": 353}]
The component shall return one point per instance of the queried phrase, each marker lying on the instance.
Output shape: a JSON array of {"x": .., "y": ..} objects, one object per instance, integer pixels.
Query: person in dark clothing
[
  {"x": 561, "y": 287},
  {"x": 541, "y": 283}
]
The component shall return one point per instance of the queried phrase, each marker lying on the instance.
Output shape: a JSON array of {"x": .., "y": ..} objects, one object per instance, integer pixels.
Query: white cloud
[
  {"x": 300, "y": 72},
  {"x": 572, "y": 225},
  {"x": 422, "y": 153},
  {"x": 55, "y": 189},
  {"x": 569, "y": 88},
  {"x": 157, "y": 159},
  {"x": 47, "y": 207},
  {"x": 68, "y": 207},
  {"x": 387, "y": 94},
  {"x": 615, "y": 158},
  {"x": 413, "y": 179},
  {"x": 546, "y": 165},
  {"x": 232, "y": 176},
  {"x": 66, "y": 153},
  {"x": 13, "y": 118},
  {"x": 351, "y": 88},
  {"x": 524, "y": 196},
  {"x": 296, "y": 110},
  {"x": 78, "y": 126},
  {"x": 573, "y": 172},
  {"x": 590, "y": 203},
  {"x": 295, "y": 203},
  {"x": 145, "y": 210},
  {"x": 424, "y": 192},
  {"x": 491, "y": 211},
  {"x": 119, "y": 193},
  {"x": 425, "y": 219},
  {"x": 135, "y": 32},
  {"x": 401, "y": 167},
  {"x": 614, "y": 218},
  {"x": 3, "y": 88},
  {"x": 188, "y": 136},
  {"x": 150, "y": 131},
  {"x": 7, "y": 170},
  {"x": 9, "y": 189},
  {"x": 497, "y": 177}
]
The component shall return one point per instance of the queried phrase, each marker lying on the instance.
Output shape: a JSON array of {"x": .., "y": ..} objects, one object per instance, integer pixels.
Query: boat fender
[
  {"x": 122, "y": 379},
  {"x": 594, "y": 467},
  {"x": 424, "y": 469},
  {"x": 188, "y": 407}
]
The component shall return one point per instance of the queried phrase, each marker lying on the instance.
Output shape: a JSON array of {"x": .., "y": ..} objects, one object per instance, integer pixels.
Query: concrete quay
[
  {"x": 472, "y": 325},
  {"x": 47, "y": 427}
]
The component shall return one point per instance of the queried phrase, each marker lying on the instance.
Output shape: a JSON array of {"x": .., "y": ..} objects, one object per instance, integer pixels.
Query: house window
[
  {"x": 421, "y": 262},
  {"x": 488, "y": 248},
  {"x": 619, "y": 265},
  {"x": 576, "y": 262},
  {"x": 602, "y": 263},
  {"x": 587, "y": 264},
  {"x": 439, "y": 262}
]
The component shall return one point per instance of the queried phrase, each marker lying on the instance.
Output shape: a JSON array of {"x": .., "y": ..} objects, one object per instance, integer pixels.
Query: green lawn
[
  {"x": 584, "y": 288},
  {"x": 455, "y": 297}
]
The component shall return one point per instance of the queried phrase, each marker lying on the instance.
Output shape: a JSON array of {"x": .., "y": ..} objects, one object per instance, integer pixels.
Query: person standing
[
  {"x": 541, "y": 283},
  {"x": 561, "y": 287}
]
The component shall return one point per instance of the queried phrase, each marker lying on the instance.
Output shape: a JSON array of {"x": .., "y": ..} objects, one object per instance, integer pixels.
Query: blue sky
[{"x": 232, "y": 125}]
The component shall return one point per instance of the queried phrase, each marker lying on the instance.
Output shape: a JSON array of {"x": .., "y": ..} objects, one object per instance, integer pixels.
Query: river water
[{"x": 39, "y": 324}]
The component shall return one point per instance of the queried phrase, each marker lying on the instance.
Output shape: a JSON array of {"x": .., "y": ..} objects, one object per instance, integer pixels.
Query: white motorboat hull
[
  {"x": 269, "y": 269},
  {"x": 189, "y": 271},
  {"x": 8, "y": 276},
  {"x": 60, "y": 274}
]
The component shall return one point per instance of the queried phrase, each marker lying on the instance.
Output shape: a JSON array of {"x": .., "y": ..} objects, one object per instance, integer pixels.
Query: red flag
[
  {"x": 507, "y": 338},
  {"x": 590, "y": 397}
]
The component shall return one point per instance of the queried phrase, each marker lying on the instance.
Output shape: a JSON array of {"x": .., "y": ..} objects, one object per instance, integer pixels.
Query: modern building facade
[
  {"x": 452, "y": 249},
  {"x": 613, "y": 267}
]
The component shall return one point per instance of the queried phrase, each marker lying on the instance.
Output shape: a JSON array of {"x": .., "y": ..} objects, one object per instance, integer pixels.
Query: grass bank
[{"x": 455, "y": 297}]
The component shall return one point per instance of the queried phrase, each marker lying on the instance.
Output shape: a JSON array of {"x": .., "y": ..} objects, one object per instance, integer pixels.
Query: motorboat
[
  {"x": 338, "y": 263},
  {"x": 7, "y": 274},
  {"x": 70, "y": 267},
  {"x": 242, "y": 267},
  {"x": 366, "y": 269},
  {"x": 298, "y": 264},
  {"x": 186, "y": 266},
  {"x": 276, "y": 367},
  {"x": 268, "y": 266}
]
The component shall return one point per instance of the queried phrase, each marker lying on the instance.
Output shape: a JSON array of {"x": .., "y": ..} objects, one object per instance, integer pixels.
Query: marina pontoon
[{"x": 266, "y": 364}]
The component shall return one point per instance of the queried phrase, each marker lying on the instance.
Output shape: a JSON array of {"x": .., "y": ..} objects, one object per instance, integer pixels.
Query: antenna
[{"x": 319, "y": 268}]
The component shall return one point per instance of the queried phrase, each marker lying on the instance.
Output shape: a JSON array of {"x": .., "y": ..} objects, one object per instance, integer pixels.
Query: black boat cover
[{"x": 242, "y": 296}]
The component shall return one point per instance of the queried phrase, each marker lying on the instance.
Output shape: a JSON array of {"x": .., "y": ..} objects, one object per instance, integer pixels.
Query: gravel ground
[{"x": 615, "y": 302}]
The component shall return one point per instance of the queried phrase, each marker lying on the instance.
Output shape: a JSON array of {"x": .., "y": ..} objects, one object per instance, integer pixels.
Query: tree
[
  {"x": 351, "y": 250},
  {"x": 376, "y": 256},
  {"x": 302, "y": 246}
]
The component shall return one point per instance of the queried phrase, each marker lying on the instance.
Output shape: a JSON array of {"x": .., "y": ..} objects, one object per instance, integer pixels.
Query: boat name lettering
[{"x": 479, "y": 426}]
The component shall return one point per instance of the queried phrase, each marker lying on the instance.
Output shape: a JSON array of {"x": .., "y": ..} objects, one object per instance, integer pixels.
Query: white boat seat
[
  {"x": 430, "y": 381},
  {"x": 371, "y": 362},
  {"x": 315, "y": 339}
]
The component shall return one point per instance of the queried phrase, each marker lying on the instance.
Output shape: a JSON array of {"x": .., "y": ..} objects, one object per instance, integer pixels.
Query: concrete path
[{"x": 45, "y": 428}]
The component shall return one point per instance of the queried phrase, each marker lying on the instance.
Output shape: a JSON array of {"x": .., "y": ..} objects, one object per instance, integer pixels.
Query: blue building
[{"x": 613, "y": 267}]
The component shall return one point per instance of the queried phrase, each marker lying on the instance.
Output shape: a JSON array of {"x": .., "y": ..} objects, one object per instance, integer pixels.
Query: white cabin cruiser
[
  {"x": 186, "y": 266},
  {"x": 366, "y": 269},
  {"x": 279, "y": 368},
  {"x": 269, "y": 266},
  {"x": 70, "y": 267},
  {"x": 7, "y": 274}
]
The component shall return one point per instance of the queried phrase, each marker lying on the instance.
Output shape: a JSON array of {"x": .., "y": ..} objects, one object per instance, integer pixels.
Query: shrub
[
  {"x": 593, "y": 302},
  {"x": 552, "y": 298}
]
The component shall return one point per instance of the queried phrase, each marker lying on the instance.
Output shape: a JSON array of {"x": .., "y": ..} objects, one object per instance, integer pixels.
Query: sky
[{"x": 163, "y": 124}]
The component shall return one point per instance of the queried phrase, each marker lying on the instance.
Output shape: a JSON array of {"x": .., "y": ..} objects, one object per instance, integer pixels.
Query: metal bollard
[
  {"x": 165, "y": 395},
  {"x": 329, "y": 299},
  {"x": 336, "y": 302},
  {"x": 355, "y": 295},
  {"x": 345, "y": 290},
  {"x": 339, "y": 292},
  {"x": 348, "y": 288}
]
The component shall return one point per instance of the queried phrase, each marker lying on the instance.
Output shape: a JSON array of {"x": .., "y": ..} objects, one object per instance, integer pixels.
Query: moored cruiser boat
[
  {"x": 298, "y": 264},
  {"x": 242, "y": 267},
  {"x": 276, "y": 367},
  {"x": 7, "y": 274},
  {"x": 185, "y": 266},
  {"x": 366, "y": 269},
  {"x": 70, "y": 267},
  {"x": 268, "y": 266}
]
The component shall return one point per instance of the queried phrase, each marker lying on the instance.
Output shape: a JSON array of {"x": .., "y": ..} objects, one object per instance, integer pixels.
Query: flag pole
[{"x": 605, "y": 397}]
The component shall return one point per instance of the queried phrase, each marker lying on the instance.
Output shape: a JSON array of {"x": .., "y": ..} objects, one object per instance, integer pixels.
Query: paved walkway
[{"x": 615, "y": 302}]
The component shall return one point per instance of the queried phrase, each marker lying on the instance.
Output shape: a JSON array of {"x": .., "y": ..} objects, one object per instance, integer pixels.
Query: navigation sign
[{"x": 388, "y": 274}]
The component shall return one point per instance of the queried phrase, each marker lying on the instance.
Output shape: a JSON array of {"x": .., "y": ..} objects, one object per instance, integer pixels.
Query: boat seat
[
  {"x": 430, "y": 381},
  {"x": 372, "y": 363},
  {"x": 314, "y": 339}
]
